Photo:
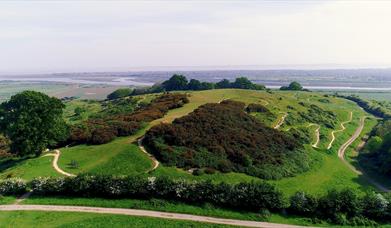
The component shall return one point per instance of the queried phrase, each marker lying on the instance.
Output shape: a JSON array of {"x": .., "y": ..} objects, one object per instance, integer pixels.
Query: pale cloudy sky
[{"x": 109, "y": 35}]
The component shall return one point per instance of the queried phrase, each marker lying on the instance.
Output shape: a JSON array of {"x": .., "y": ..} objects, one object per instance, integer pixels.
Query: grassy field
[
  {"x": 6, "y": 200},
  {"x": 168, "y": 206},
  {"x": 123, "y": 157},
  {"x": 120, "y": 157},
  {"x": 7, "y": 89},
  {"x": 71, "y": 219},
  {"x": 29, "y": 168}
]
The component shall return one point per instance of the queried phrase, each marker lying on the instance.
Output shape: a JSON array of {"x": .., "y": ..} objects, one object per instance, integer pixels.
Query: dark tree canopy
[
  {"x": 194, "y": 84},
  {"x": 293, "y": 86},
  {"x": 242, "y": 83},
  {"x": 32, "y": 121},
  {"x": 223, "y": 84},
  {"x": 176, "y": 82},
  {"x": 180, "y": 82}
]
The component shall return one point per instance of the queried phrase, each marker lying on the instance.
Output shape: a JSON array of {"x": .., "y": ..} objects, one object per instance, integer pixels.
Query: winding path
[
  {"x": 144, "y": 213},
  {"x": 317, "y": 135},
  {"x": 342, "y": 129},
  {"x": 56, "y": 156},
  {"x": 281, "y": 121},
  {"x": 150, "y": 156},
  {"x": 341, "y": 156}
]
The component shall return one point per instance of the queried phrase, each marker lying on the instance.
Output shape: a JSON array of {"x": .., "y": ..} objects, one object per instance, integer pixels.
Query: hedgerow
[
  {"x": 252, "y": 196},
  {"x": 344, "y": 207},
  {"x": 12, "y": 186}
]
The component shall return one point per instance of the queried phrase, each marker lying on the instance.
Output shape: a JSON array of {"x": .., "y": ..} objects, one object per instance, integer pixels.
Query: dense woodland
[
  {"x": 226, "y": 138},
  {"x": 376, "y": 155},
  {"x": 105, "y": 126},
  {"x": 181, "y": 83}
]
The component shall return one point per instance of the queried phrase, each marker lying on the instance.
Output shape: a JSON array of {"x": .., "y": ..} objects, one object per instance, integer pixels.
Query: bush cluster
[
  {"x": 253, "y": 196},
  {"x": 12, "y": 186},
  {"x": 226, "y": 138},
  {"x": 376, "y": 154},
  {"x": 102, "y": 130},
  {"x": 343, "y": 207}
]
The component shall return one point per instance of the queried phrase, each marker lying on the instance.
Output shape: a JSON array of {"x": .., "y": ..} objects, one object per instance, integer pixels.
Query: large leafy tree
[
  {"x": 176, "y": 82},
  {"x": 293, "y": 86},
  {"x": 242, "y": 83},
  {"x": 32, "y": 121}
]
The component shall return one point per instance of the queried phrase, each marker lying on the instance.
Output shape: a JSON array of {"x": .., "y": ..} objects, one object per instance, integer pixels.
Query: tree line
[
  {"x": 343, "y": 207},
  {"x": 376, "y": 154},
  {"x": 372, "y": 107},
  {"x": 180, "y": 83}
]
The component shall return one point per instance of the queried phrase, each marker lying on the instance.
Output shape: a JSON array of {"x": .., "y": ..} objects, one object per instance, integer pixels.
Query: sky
[{"x": 79, "y": 36}]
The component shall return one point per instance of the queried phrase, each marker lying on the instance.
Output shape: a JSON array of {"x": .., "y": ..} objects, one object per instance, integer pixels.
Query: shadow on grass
[
  {"x": 370, "y": 171},
  {"x": 11, "y": 162}
]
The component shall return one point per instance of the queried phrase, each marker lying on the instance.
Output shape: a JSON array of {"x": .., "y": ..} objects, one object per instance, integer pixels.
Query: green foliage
[
  {"x": 315, "y": 114},
  {"x": 295, "y": 86},
  {"x": 376, "y": 108},
  {"x": 244, "y": 83},
  {"x": 194, "y": 84},
  {"x": 119, "y": 93},
  {"x": 253, "y": 196},
  {"x": 223, "y": 84},
  {"x": 4, "y": 147},
  {"x": 180, "y": 82},
  {"x": 79, "y": 110},
  {"x": 224, "y": 137},
  {"x": 32, "y": 121},
  {"x": 176, "y": 82},
  {"x": 12, "y": 186},
  {"x": 378, "y": 150},
  {"x": 103, "y": 129},
  {"x": 303, "y": 204}
]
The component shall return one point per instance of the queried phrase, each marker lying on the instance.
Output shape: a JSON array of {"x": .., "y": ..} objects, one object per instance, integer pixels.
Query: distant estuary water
[
  {"x": 318, "y": 80},
  {"x": 115, "y": 81}
]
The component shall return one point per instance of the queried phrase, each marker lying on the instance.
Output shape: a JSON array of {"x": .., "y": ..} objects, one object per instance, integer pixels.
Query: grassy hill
[
  {"x": 123, "y": 156},
  {"x": 224, "y": 137}
]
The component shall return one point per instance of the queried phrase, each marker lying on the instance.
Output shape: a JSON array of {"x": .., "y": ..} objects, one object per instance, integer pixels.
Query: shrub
[
  {"x": 253, "y": 196},
  {"x": 12, "y": 186},
  {"x": 224, "y": 137},
  {"x": 303, "y": 204},
  {"x": 100, "y": 130},
  {"x": 337, "y": 205},
  {"x": 375, "y": 206}
]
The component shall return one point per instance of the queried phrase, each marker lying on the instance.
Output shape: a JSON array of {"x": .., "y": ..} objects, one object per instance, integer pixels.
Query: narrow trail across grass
[
  {"x": 144, "y": 213},
  {"x": 341, "y": 156},
  {"x": 281, "y": 121},
  {"x": 150, "y": 156},
  {"x": 342, "y": 129},
  {"x": 56, "y": 156},
  {"x": 317, "y": 135}
]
